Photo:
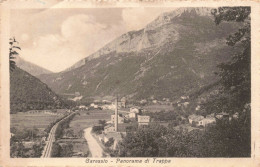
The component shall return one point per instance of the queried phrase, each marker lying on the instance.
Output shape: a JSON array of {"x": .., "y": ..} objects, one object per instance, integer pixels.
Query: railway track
[{"x": 51, "y": 138}]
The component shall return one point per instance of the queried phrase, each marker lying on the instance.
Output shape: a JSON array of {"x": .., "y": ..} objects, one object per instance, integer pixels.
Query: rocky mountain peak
[{"x": 167, "y": 17}]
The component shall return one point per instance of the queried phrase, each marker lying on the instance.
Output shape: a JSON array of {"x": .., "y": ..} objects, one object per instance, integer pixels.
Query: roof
[
  {"x": 114, "y": 135},
  {"x": 143, "y": 116},
  {"x": 196, "y": 117},
  {"x": 222, "y": 113},
  {"x": 134, "y": 107},
  {"x": 123, "y": 99},
  {"x": 108, "y": 126},
  {"x": 101, "y": 136},
  {"x": 210, "y": 116}
]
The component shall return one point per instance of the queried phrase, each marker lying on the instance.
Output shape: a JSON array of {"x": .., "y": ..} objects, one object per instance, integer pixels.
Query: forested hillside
[{"x": 28, "y": 92}]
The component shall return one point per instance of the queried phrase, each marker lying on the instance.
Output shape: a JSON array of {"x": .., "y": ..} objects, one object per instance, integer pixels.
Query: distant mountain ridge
[
  {"x": 30, "y": 67},
  {"x": 174, "y": 55}
]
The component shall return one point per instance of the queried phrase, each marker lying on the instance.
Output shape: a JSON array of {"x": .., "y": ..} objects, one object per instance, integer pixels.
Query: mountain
[
  {"x": 27, "y": 92},
  {"x": 176, "y": 54},
  {"x": 30, "y": 67}
]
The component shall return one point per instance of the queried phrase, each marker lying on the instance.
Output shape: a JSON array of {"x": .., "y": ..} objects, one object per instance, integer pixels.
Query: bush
[{"x": 56, "y": 150}]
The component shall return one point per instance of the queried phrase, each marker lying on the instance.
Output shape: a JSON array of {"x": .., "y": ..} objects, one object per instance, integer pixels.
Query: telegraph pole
[{"x": 116, "y": 115}]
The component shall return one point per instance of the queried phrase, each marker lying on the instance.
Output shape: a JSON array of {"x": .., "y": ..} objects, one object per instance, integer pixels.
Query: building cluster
[
  {"x": 198, "y": 120},
  {"x": 119, "y": 124}
]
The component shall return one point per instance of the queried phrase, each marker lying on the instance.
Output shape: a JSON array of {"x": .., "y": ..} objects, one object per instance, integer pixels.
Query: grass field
[
  {"x": 28, "y": 120},
  {"x": 81, "y": 121},
  {"x": 79, "y": 145},
  {"x": 84, "y": 120},
  {"x": 158, "y": 108}
]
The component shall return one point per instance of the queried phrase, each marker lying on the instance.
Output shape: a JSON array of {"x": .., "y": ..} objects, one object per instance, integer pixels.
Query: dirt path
[{"x": 94, "y": 147}]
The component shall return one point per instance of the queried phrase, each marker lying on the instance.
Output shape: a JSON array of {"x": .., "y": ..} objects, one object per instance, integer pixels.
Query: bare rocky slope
[
  {"x": 31, "y": 68},
  {"x": 176, "y": 54}
]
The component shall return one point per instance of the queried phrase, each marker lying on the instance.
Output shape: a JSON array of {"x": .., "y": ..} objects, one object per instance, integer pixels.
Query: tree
[
  {"x": 67, "y": 150},
  {"x": 142, "y": 143},
  {"x": 110, "y": 142},
  {"x": 233, "y": 139},
  {"x": 236, "y": 75},
  {"x": 56, "y": 150},
  {"x": 13, "y": 53}
]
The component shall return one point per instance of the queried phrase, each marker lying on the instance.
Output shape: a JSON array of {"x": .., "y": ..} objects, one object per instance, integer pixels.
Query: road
[
  {"x": 51, "y": 138},
  {"x": 93, "y": 145}
]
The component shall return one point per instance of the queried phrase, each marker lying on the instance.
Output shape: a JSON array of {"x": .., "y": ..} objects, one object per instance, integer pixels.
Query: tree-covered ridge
[{"x": 28, "y": 92}]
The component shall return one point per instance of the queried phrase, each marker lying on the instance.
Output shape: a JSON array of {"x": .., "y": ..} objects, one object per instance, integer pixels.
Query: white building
[
  {"x": 109, "y": 128},
  {"x": 143, "y": 119},
  {"x": 195, "y": 118},
  {"x": 82, "y": 107},
  {"x": 94, "y": 105},
  {"x": 197, "y": 108},
  {"x": 134, "y": 110},
  {"x": 120, "y": 119},
  {"x": 207, "y": 121},
  {"x": 132, "y": 115},
  {"x": 199, "y": 120}
]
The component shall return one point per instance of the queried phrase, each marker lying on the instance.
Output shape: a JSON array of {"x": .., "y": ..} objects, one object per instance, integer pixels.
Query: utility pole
[{"x": 116, "y": 115}]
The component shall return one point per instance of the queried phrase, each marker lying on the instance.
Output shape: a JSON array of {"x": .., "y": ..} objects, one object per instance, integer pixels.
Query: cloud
[
  {"x": 80, "y": 35},
  {"x": 57, "y": 43},
  {"x": 25, "y": 37}
]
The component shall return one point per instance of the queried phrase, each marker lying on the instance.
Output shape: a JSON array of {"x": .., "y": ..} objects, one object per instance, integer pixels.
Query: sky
[{"x": 56, "y": 39}]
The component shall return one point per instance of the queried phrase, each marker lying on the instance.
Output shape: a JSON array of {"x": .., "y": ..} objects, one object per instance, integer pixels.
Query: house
[
  {"x": 120, "y": 119},
  {"x": 185, "y": 104},
  {"x": 116, "y": 136},
  {"x": 82, "y": 107},
  {"x": 43, "y": 139},
  {"x": 143, "y": 119},
  {"x": 135, "y": 110},
  {"x": 143, "y": 101},
  {"x": 208, "y": 120},
  {"x": 106, "y": 101},
  {"x": 109, "y": 128},
  {"x": 132, "y": 115},
  {"x": 97, "y": 101},
  {"x": 166, "y": 99},
  {"x": 235, "y": 116},
  {"x": 94, "y": 105},
  {"x": 109, "y": 107},
  {"x": 195, "y": 119},
  {"x": 184, "y": 97},
  {"x": 222, "y": 116},
  {"x": 197, "y": 108},
  {"x": 123, "y": 102}
]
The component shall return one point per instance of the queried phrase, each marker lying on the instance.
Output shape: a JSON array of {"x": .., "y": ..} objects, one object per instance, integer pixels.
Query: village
[{"x": 129, "y": 118}]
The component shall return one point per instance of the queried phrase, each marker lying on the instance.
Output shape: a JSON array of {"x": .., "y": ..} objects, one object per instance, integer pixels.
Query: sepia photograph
[{"x": 121, "y": 82}]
